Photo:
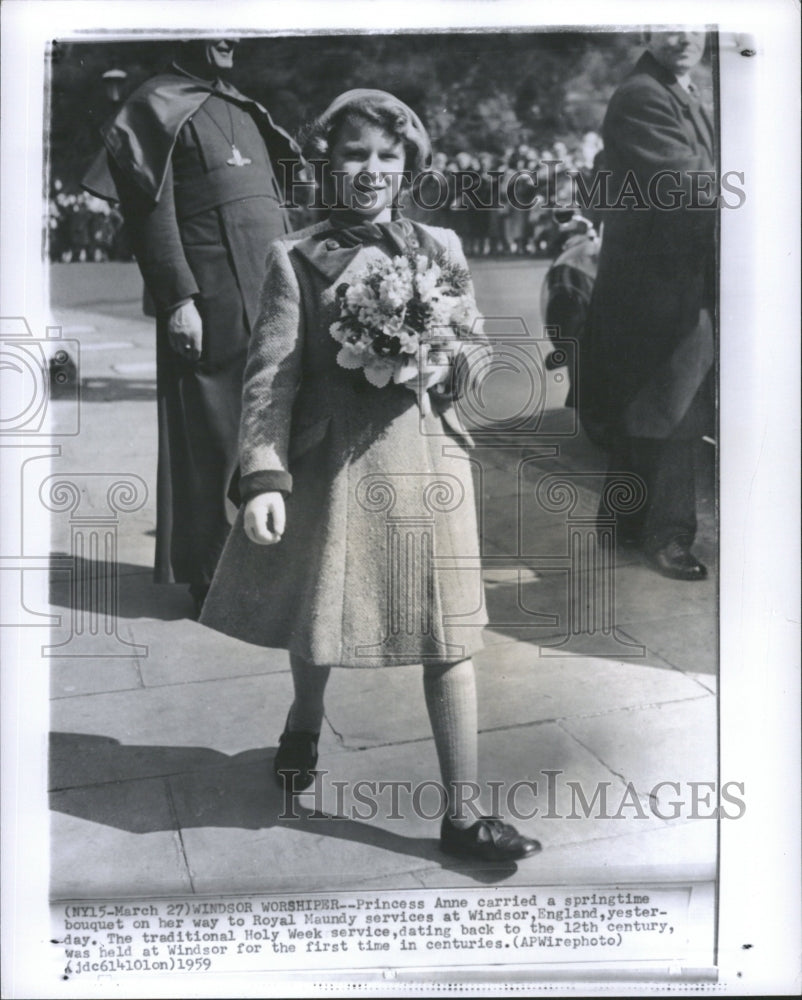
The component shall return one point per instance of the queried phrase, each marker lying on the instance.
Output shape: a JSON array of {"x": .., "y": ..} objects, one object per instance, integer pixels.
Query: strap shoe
[
  {"x": 296, "y": 759},
  {"x": 489, "y": 839}
]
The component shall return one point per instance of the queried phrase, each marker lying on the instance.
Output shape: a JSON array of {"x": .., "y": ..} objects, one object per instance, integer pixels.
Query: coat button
[{"x": 332, "y": 245}]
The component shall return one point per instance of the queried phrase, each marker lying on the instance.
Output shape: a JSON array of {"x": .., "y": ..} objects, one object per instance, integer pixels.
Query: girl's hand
[{"x": 264, "y": 518}]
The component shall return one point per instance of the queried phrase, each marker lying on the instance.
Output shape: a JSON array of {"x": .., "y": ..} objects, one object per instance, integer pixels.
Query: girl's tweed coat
[{"x": 379, "y": 562}]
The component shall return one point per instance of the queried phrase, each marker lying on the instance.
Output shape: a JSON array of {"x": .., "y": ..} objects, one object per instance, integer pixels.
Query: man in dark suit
[
  {"x": 194, "y": 164},
  {"x": 645, "y": 375}
]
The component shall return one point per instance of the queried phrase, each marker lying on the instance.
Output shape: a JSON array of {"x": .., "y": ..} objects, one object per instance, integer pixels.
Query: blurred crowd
[
  {"x": 85, "y": 228},
  {"x": 509, "y": 227}
]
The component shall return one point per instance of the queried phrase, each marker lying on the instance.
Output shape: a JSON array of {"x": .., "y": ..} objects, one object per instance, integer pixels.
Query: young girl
[{"x": 358, "y": 499}]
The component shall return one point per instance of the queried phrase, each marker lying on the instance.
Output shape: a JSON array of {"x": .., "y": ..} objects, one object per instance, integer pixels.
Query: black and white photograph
[{"x": 400, "y": 473}]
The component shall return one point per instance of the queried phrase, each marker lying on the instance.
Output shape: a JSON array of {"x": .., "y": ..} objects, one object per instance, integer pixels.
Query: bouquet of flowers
[{"x": 405, "y": 320}]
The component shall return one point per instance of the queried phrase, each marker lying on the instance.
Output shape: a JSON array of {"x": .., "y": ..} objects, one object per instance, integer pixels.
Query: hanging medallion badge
[{"x": 237, "y": 159}]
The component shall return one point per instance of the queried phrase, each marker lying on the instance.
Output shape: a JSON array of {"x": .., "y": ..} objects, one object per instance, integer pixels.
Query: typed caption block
[{"x": 402, "y": 929}]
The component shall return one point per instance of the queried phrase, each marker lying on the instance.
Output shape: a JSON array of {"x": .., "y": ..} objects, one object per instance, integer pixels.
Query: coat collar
[{"x": 331, "y": 250}]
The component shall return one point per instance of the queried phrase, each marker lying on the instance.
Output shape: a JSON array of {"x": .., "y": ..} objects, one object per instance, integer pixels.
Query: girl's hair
[{"x": 379, "y": 108}]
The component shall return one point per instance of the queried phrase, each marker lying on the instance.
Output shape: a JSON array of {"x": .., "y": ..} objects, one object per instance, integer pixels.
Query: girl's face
[{"x": 367, "y": 165}]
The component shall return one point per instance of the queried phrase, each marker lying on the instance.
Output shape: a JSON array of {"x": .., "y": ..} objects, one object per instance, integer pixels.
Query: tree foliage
[{"x": 477, "y": 91}]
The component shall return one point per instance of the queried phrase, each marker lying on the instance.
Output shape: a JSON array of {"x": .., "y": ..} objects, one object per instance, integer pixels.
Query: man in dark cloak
[
  {"x": 195, "y": 166},
  {"x": 645, "y": 370}
]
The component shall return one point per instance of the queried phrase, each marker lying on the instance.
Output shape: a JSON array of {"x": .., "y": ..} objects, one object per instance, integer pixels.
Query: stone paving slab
[
  {"x": 519, "y": 684},
  {"x": 182, "y": 652},
  {"x": 524, "y": 531},
  {"x": 224, "y": 717},
  {"x": 272, "y": 847},
  {"x": 528, "y": 753},
  {"x": 680, "y": 853},
  {"x": 706, "y": 680},
  {"x": 93, "y": 638},
  {"x": 70, "y": 678},
  {"x": 377, "y": 706},
  {"x": 636, "y": 599},
  {"x": 550, "y": 811},
  {"x": 650, "y": 642},
  {"x": 81, "y": 760},
  {"x": 516, "y": 685},
  {"x": 688, "y": 642},
  {"x": 236, "y": 842},
  {"x": 673, "y": 742},
  {"x": 118, "y": 839},
  {"x": 238, "y": 835},
  {"x": 642, "y": 595}
]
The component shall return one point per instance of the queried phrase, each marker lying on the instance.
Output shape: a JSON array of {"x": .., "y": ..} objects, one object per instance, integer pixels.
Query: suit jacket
[{"x": 649, "y": 344}]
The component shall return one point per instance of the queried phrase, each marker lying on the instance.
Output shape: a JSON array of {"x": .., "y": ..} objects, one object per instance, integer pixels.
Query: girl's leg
[
  {"x": 309, "y": 684},
  {"x": 296, "y": 758},
  {"x": 450, "y": 691}
]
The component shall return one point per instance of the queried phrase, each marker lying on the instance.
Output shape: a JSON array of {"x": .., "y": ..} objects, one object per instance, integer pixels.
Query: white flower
[
  {"x": 442, "y": 310},
  {"x": 378, "y": 302},
  {"x": 409, "y": 341},
  {"x": 426, "y": 282},
  {"x": 393, "y": 326},
  {"x": 406, "y": 371},
  {"x": 394, "y": 291},
  {"x": 378, "y": 372},
  {"x": 339, "y": 332},
  {"x": 351, "y": 356}
]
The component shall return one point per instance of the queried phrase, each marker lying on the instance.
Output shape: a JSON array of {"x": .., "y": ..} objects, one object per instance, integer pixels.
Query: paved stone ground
[{"x": 163, "y": 731}]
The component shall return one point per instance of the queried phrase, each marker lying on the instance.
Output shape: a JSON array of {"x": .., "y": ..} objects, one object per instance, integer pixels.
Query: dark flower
[
  {"x": 386, "y": 346},
  {"x": 453, "y": 274},
  {"x": 418, "y": 313}
]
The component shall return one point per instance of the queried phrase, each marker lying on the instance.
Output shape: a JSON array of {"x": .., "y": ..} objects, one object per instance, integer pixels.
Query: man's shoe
[
  {"x": 489, "y": 839},
  {"x": 296, "y": 759},
  {"x": 677, "y": 562}
]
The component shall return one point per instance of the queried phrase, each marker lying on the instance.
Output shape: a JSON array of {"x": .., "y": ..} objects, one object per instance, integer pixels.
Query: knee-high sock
[
  {"x": 450, "y": 691},
  {"x": 309, "y": 683}
]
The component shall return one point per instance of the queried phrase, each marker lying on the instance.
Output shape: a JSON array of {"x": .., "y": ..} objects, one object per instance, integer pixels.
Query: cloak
[
  {"x": 142, "y": 134},
  {"x": 201, "y": 233}
]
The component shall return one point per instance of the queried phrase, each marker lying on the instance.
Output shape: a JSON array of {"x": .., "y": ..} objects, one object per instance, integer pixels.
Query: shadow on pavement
[
  {"x": 631, "y": 613},
  {"x": 115, "y": 390},
  {"x": 210, "y": 789},
  {"x": 135, "y": 594}
]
